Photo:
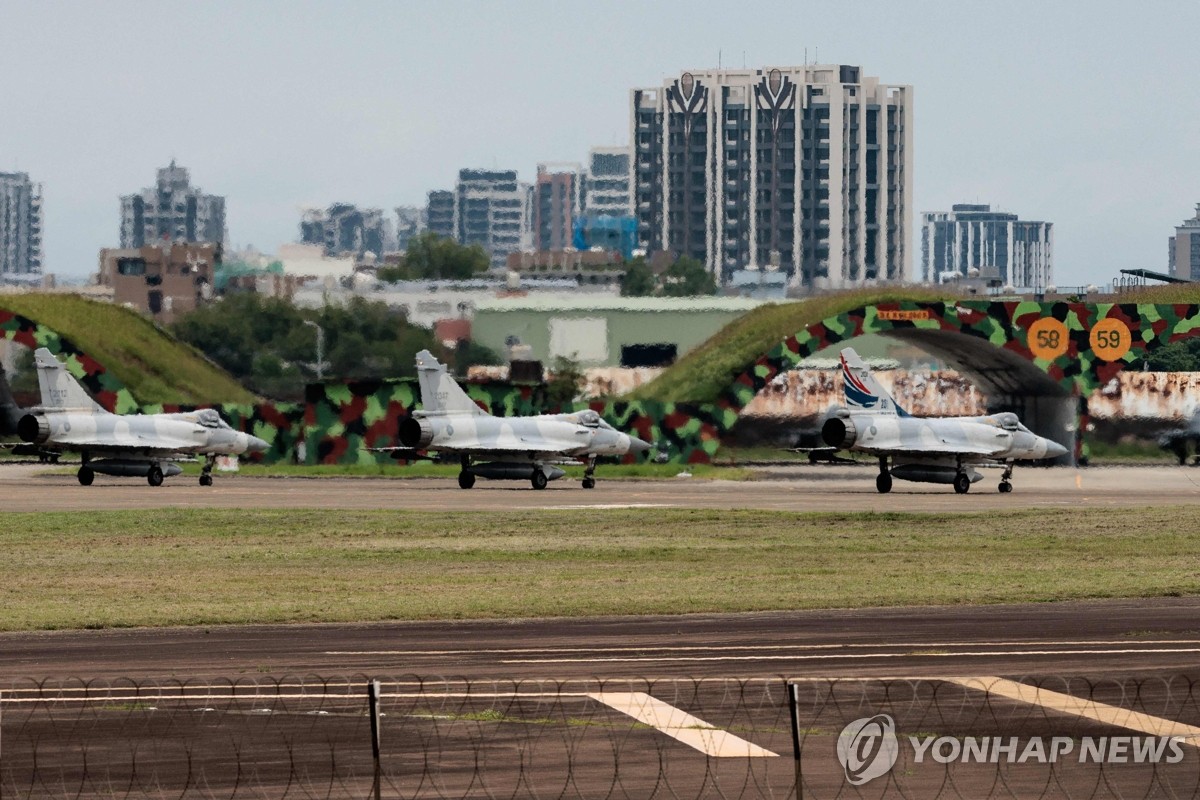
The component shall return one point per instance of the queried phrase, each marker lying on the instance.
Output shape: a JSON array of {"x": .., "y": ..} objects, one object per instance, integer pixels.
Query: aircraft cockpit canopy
[
  {"x": 589, "y": 418},
  {"x": 1008, "y": 421},
  {"x": 209, "y": 418}
]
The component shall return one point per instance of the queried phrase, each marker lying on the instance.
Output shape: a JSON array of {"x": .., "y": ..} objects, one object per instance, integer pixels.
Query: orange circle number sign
[
  {"x": 1111, "y": 339},
  {"x": 1047, "y": 338}
]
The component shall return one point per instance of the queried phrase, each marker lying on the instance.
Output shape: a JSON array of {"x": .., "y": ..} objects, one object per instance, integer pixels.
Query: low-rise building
[
  {"x": 604, "y": 330},
  {"x": 161, "y": 280}
]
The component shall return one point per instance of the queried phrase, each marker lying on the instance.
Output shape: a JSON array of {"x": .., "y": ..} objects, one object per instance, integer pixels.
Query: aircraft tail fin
[
  {"x": 863, "y": 393},
  {"x": 440, "y": 393},
  {"x": 59, "y": 388}
]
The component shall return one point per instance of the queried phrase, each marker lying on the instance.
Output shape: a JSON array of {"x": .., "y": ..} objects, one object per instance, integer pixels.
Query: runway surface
[
  {"x": 801, "y": 488},
  {"x": 1085, "y": 638}
]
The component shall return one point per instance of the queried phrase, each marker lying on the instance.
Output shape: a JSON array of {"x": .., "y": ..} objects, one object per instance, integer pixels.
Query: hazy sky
[{"x": 1084, "y": 114}]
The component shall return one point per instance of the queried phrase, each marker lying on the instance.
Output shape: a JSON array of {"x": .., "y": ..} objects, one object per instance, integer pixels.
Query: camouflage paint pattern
[{"x": 337, "y": 421}]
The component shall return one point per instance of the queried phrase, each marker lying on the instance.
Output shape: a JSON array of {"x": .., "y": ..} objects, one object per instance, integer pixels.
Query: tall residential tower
[
  {"x": 20, "y": 227},
  {"x": 172, "y": 211},
  {"x": 1020, "y": 253},
  {"x": 808, "y": 168}
]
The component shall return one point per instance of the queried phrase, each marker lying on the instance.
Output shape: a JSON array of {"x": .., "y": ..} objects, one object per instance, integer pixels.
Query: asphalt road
[{"x": 801, "y": 488}]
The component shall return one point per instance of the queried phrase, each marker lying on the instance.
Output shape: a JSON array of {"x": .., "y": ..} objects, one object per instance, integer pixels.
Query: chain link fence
[{"x": 312, "y": 737}]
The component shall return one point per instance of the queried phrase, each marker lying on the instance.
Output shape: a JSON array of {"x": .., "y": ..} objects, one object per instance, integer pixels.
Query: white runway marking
[
  {"x": 680, "y": 725},
  {"x": 1082, "y": 707}
]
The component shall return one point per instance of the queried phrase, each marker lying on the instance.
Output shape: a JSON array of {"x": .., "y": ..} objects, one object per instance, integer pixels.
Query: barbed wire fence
[{"x": 316, "y": 737}]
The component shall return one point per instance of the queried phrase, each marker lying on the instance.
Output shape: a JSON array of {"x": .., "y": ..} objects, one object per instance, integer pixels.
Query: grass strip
[{"x": 193, "y": 567}]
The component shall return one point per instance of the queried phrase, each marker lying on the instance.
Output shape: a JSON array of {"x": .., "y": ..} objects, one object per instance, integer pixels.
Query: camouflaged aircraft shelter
[{"x": 1039, "y": 359}]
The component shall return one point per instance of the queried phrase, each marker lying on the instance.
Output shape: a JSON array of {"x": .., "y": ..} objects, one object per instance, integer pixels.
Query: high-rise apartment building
[
  {"x": 20, "y": 226},
  {"x": 439, "y": 213},
  {"x": 556, "y": 202},
  {"x": 1183, "y": 260},
  {"x": 410, "y": 221},
  {"x": 346, "y": 230},
  {"x": 491, "y": 209},
  {"x": 1020, "y": 253},
  {"x": 808, "y": 168},
  {"x": 172, "y": 211},
  {"x": 606, "y": 184}
]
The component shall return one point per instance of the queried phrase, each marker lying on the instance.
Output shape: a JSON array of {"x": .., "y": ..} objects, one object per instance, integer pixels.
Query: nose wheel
[
  {"x": 1006, "y": 479},
  {"x": 206, "y": 478},
  {"x": 589, "y": 475}
]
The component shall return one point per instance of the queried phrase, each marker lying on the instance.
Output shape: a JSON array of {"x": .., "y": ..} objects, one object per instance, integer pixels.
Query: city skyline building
[
  {"x": 492, "y": 210},
  {"x": 172, "y": 211},
  {"x": 556, "y": 202},
  {"x": 1183, "y": 260},
  {"x": 606, "y": 182},
  {"x": 345, "y": 229},
  {"x": 410, "y": 221},
  {"x": 439, "y": 213},
  {"x": 973, "y": 240},
  {"x": 805, "y": 168},
  {"x": 21, "y": 222}
]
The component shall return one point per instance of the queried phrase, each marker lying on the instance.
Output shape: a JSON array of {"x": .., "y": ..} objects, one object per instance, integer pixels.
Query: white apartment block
[
  {"x": 807, "y": 168},
  {"x": 20, "y": 226},
  {"x": 973, "y": 240}
]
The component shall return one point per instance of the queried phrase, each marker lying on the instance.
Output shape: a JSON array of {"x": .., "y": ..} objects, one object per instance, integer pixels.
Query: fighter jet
[
  {"x": 127, "y": 445},
  {"x": 941, "y": 450},
  {"x": 499, "y": 448}
]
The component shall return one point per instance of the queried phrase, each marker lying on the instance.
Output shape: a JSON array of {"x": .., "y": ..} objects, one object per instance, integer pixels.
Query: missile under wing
[
  {"x": 141, "y": 445},
  {"x": 927, "y": 450},
  {"x": 518, "y": 448}
]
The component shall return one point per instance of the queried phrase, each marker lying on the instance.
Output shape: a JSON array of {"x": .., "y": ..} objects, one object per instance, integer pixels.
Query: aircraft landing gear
[
  {"x": 466, "y": 479},
  {"x": 539, "y": 479},
  {"x": 155, "y": 476},
  {"x": 589, "y": 474},
  {"x": 85, "y": 475},
  {"x": 883, "y": 481},
  {"x": 962, "y": 483},
  {"x": 206, "y": 478},
  {"x": 1006, "y": 478}
]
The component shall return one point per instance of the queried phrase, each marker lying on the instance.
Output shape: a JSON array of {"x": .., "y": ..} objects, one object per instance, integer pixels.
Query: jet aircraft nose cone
[
  {"x": 1055, "y": 450},
  {"x": 637, "y": 445},
  {"x": 256, "y": 445}
]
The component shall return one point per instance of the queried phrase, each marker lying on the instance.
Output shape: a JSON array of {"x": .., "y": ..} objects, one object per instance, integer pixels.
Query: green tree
[
  {"x": 265, "y": 343},
  {"x": 566, "y": 380},
  {"x": 1178, "y": 357},
  {"x": 433, "y": 257},
  {"x": 639, "y": 279},
  {"x": 687, "y": 277}
]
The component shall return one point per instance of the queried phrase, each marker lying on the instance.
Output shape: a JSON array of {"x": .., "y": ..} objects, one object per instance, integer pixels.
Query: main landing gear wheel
[
  {"x": 883, "y": 482},
  {"x": 539, "y": 479},
  {"x": 86, "y": 476},
  {"x": 466, "y": 479},
  {"x": 1005, "y": 487},
  {"x": 154, "y": 477},
  {"x": 589, "y": 483},
  {"x": 962, "y": 483},
  {"x": 206, "y": 480}
]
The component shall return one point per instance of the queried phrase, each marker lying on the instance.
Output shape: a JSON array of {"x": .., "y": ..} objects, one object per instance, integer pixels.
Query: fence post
[
  {"x": 793, "y": 693},
  {"x": 373, "y": 703}
]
